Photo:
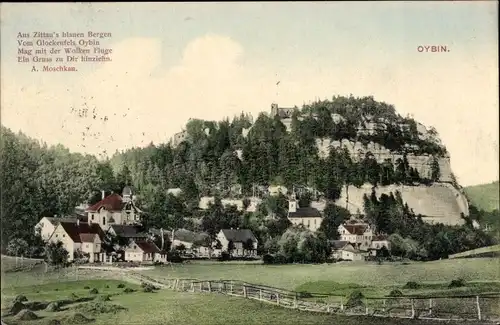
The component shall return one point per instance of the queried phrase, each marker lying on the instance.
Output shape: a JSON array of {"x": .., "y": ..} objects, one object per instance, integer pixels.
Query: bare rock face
[
  {"x": 440, "y": 202},
  {"x": 422, "y": 163}
]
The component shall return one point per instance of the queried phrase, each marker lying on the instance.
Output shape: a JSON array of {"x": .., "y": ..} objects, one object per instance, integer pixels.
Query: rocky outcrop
[
  {"x": 422, "y": 163},
  {"x": 440, "y": 202}
]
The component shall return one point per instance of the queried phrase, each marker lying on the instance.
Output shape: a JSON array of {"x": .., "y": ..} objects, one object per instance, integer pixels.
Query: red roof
[
  {"x": 356, "y": 229},
  {"x": 111, "y": 202},
  {"x": 74, "y": 230},
  {"x": 148, "y": 247}
]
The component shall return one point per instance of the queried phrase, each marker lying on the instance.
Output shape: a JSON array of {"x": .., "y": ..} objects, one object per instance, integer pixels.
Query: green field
[
  {"x": 378, "y": 277},
  {"x": 166, "y": 307},
  {"x": 484, "y": 196},
  {"x": 169, "y": 307}
]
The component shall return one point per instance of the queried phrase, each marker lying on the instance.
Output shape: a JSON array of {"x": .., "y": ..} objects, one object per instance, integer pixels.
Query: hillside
[
  {"x": 329, "y": 146},
  {"x": 485, "y": 196}
]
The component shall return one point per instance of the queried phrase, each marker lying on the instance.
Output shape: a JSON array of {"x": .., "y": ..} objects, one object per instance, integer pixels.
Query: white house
[
  {"x": 46, "y": 226},
  {"x": 114, "y": 210},
  {"x": 143, "y": 252},
  {"x": 378, "y": 242},
  {"x": 359, "y": 235},
  {"x": 275, "y": 190},
  {"x": 343, "y": 250},
  {"x": 240, "y": 238},
  {"x": 79, "y": 237}
]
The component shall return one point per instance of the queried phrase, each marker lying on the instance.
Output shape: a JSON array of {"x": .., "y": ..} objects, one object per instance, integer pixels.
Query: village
[{"x": 117, "y": 219}]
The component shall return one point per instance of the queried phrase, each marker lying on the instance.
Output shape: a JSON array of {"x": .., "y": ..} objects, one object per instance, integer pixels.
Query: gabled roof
[
  {"x": 87, "y": 238},
  {"x": 113, "y": 202},
  {"x": 358, "y": 230},
  {"x": 145, "y": 246},
  {"x": 127, "y": 231},
  {"x": 188, "y": 236},
  {"x": 56, "y": 220},
  {"x": 74, "y": 230},
  {"x": 339, "y": 244},
  {"x": 238, "y": 235},
  {"x": 306, "y": 212}
]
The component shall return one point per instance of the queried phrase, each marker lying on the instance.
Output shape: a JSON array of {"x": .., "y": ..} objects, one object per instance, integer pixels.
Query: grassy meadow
[
  {"x": 377, "y": 279},
  {"x": 78, "y": 305},
  {"x": 158, "y": 308}
]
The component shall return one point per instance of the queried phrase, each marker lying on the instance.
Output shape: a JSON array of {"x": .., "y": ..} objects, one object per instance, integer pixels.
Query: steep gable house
[
  {"x": 359, "y": 235},
  {"x": 239, "y": 238},
  {"x": 115, "y": 210},
  {"x": 129, "y": 232},
  {"x": 80, "y": 237},
  {"x": 143, "y": 252},
  {"x": 46, "y": 226},
  {"x": 343, "y": 250}
]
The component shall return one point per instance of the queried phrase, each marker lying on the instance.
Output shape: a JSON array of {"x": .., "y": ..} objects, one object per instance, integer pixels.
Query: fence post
[
  {"x": 478, "y": 308},
  {"x": 201, "y": 286},
  {"x": 192, "y": 286},
  {"x": 183, "y": 285},
  {"x": 176, "y": 284},
  {"x": 231, "y": 286},
  {"x": 260, "y": 294},
  {"x": 244, "y": 291},
  {"x": 430, "y": 307},
  {"x": 327, "y": 308},
  {"x": 295, "y": 301},
  {"x": 277, "y": 298},
  {"x": 412, "y": 309},
  {"x": 209, "y": 286},
  {"x": 341, "y": 303},
  {"x": 366, "y": 307},
  {"x": 383, "y": 308}
]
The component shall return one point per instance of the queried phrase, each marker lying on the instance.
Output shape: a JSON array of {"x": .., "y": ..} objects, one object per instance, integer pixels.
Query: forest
[{"x": 218, "y": 160}]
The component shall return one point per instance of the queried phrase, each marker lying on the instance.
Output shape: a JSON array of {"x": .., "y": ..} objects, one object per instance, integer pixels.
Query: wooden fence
[{"x": 485, "y": 307}]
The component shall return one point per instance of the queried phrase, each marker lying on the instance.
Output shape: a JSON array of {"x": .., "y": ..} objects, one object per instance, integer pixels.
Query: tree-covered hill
[
  {"x": 228, "y": 158},
  {"x": 484, "y": 196}
]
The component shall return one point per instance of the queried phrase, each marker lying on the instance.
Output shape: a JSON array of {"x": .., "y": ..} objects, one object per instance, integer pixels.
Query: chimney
[{"x": 103, "y": 194}]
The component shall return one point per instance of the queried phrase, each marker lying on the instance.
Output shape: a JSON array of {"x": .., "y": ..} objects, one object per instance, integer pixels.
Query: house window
[
  {"x": 92, "y": 217},
  {"x": 64, "y": 235},
  {"x": 57, "y": 235},
  {"x": 86, "y": 245},
  {"x": 103, "y": 221},
  {"x": 41, "y": 224}
]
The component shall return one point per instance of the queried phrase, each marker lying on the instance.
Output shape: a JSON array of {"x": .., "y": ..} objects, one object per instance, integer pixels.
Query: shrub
[
  {"x": 355, "y": 299},
  {"x": 224, "y": 256},
  {"x": 121, "y": 285},
  {"x": 107, "y": 287},
  {"x": 268, "y": 259},
  {"x": 304, "y": 294},
  {"x": 128, "y": 290},
  {"x": 103, "y": 298},
  {"x": 20, "y": 298},
  {"x": 411, "y": 285},
  {"x": 174, "y": 257},
  {"x": 457, "y": 283},
  {"x": 395, "y": 293},
  {"x": 93, "y": 291},
  {"x": 86, "y": 287},
  {"x": 280, "y": 259}
]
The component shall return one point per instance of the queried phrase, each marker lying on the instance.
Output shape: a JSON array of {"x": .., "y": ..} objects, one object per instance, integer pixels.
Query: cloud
[{"x": 136, "y": 99}]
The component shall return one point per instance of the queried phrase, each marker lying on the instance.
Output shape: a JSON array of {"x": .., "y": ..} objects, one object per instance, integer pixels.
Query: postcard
[{"x": 250, "y": 163}]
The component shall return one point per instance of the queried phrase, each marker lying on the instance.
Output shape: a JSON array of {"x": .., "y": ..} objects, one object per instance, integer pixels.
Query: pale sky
[{"x": 175, "y": 61}]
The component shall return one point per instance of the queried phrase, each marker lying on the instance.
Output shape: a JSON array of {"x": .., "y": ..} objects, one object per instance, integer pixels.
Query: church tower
[{"x": 292, "y": 203}]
